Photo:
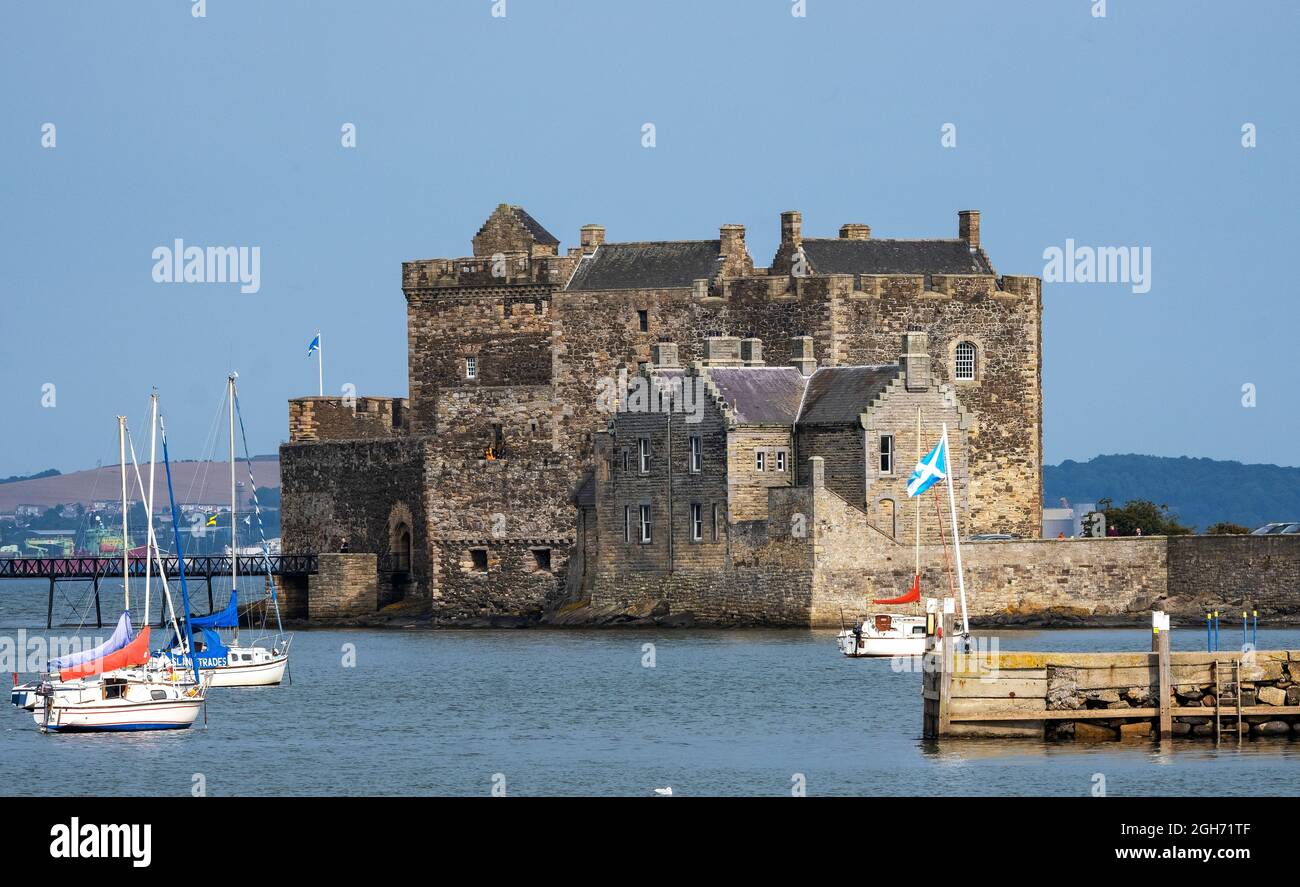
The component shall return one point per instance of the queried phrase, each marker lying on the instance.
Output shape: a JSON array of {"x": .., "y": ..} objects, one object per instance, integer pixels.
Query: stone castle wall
[{"x": 337, "y": 418}]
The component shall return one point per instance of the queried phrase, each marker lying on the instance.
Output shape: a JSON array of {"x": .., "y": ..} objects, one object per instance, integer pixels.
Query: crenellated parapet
[
  {"x": 497, "y": 270},
  {"x": 345, "y": 418}
]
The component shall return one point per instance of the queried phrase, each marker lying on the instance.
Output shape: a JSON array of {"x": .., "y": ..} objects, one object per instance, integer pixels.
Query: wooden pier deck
[{"x": 1100, "y": 696}]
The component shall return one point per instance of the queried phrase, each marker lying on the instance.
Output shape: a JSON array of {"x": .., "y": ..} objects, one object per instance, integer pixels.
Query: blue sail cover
[
  {"x": 227, "y": 618},
  {"x": 120, "y": 638},
  {"x": 213, "y": 655}
]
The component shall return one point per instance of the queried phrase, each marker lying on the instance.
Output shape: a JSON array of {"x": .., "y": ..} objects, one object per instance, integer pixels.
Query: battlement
[
  {"x": 778, "y": 287},
  {"x": 343, "y": 418},
  {"x": 500, "y": 269}
]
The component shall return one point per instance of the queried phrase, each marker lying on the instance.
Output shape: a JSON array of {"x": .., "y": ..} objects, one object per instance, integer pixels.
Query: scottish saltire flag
[
  {"x": 314, "y": 346},
  {"x": 929, "y": 471}
]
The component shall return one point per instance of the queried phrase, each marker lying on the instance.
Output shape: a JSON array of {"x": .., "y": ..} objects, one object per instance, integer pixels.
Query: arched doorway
[
  {"x": 402, "y": 550},
  {"x": 888, "y": 517}
]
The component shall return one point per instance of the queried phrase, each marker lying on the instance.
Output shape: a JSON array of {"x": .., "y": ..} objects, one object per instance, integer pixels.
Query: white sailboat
[
  {"x": 261, "y": 663},
  {"x": 109, "y": 688}
]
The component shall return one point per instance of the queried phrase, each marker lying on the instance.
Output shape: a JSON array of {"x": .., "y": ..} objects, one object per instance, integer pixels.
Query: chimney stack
[
  {"x": 801, "y": 355},
  {"x": 722, "y": 351},
  {"x": 591, "y": 237},
  {"x": 916, "y": 359},
  {"x": 968, "y": 227},
  {"x": 791, "y": 227},
  {"x": 855, "y": 231},
  {"x": 732, "y": 238},
  {"x": 663, "y": 355},
  {"x": 751, "y": 352}
]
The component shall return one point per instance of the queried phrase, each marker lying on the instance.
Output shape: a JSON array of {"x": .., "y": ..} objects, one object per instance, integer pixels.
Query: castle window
[
  {"x": 780, "y": 460},
  {"x": 886, "y": 454},
  {"x": 697, "y": 453},
  {"x": 627, "y": 523},
  {"x": 643, "y": 451},
  {"x": 964, "y": 362},
  {"x": 479, "y": 559},
  {"x": 542, "y": 558},
  {"x": 627, "y": 461},
  {"x": 645, "y": 523},
  {"x": 697, "y": 522},
  {"x": 716, "y": 521},
  {"x": 760, "y": 460},
  {"x": 471, "y": 368},
  {"x": 643, "y": 320}
]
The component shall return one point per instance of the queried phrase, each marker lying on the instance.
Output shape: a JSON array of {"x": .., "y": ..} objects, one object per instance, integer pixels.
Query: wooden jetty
[{"x": 1110, "y": 696}]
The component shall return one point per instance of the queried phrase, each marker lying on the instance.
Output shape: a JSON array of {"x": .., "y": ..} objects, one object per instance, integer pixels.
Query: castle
[{"x": 523, "y": 470}]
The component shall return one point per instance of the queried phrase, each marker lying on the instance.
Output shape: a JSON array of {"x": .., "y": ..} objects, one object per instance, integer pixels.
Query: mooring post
[
  {"x": 946, "y": 657},
  {"x": 210, "y": 587},
  {"x": 1209, "y": 647},
  {"x": 1160, "y": 646},
  {"x": 99, "y": 618},
  {"x": 1254, "y": 628},
  {"x": 49, "y": 610}
]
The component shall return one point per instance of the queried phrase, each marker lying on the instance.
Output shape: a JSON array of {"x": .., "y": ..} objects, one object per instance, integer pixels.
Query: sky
[{"x": 1122, "y": 130}]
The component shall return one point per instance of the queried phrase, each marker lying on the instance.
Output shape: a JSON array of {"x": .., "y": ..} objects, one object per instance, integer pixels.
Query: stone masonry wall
[
  {"x": 344, "y": 585},
  {"x": 1235, "y": 572},
  {"x": 335, "y": 418}
]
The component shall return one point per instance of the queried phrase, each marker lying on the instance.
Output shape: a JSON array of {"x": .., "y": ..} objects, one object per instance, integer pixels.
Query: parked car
[
  {"x": 993, "y": 537},
  {"x": 1283, "y": 528}
]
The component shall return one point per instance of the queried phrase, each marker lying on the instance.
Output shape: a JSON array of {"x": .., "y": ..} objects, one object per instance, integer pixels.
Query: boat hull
[
  {"x": 884, "y": 635},
  {"x": 253, "y": 674},
  {"x": 177, "y": 714}
]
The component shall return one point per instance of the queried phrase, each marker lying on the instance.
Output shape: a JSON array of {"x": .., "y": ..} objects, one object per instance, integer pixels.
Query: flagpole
[
  {"x": 956, "y": 532},
  {"x": 918, "y": 498},
  {"x": 320, "y": 362}
]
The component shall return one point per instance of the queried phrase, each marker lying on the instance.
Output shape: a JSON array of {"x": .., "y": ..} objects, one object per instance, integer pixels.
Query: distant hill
[
  {"x": 1200, "y": 492},
  {"x": 195, "y": 482}
]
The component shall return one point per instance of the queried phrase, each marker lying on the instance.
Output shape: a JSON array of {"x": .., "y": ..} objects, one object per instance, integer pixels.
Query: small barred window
[{"x": 964, "y": 364}]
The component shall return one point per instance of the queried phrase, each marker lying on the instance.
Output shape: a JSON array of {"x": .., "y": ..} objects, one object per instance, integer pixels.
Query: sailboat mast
[
  {"x": 234, "y": 531},
  {"x": 126, "y": 551},
  {"x": 148, "y": 536}
]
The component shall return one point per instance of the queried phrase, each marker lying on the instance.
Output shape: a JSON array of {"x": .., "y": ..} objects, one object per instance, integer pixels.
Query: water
[{"x": 576, "y": 713}]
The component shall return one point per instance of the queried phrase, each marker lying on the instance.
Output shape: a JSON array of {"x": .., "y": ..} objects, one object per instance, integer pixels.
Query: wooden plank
[
  {"x": 997, "y": 730},
  {"x": 970, "y": 708},
  {"x": 1101, "y": 714},
  {"x": 1083, "y": 714},
  {"x": 978, "y": 662},
  {"x": 1031, "y": 674},
  {"x": 999, "y": 688}
]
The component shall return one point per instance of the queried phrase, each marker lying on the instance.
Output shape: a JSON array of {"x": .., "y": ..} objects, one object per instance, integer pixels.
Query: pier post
[
  {"x": 99, "y": 618},
  {"x": 946, "y": 655},
  {"x": 49, "y": 610},
  {"x": 1160, "y": 646}
]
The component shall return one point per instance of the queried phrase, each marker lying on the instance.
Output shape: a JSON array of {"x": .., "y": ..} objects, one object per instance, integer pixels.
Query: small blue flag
[{"x": 314, "y": 346}]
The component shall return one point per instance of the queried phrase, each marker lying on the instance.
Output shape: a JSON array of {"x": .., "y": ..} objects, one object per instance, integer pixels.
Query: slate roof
[
  {"x": 761, "y": 395},
  {"x": 651, "y": 264},
  {"x": 832, "y": 255},
  {"x": 540, "y": 234},
  {"x": 838, "y": 395}
]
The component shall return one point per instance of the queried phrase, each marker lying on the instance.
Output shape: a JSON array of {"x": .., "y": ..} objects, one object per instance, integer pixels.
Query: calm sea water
[{"x": 577, "y": 713}]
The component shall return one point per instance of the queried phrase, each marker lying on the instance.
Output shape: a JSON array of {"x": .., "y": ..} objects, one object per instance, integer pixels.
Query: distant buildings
[{"x": 1067, "y": 519}]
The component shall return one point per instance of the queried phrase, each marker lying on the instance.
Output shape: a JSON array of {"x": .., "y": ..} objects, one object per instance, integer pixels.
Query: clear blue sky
[{"x": 226, "y": 131}]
